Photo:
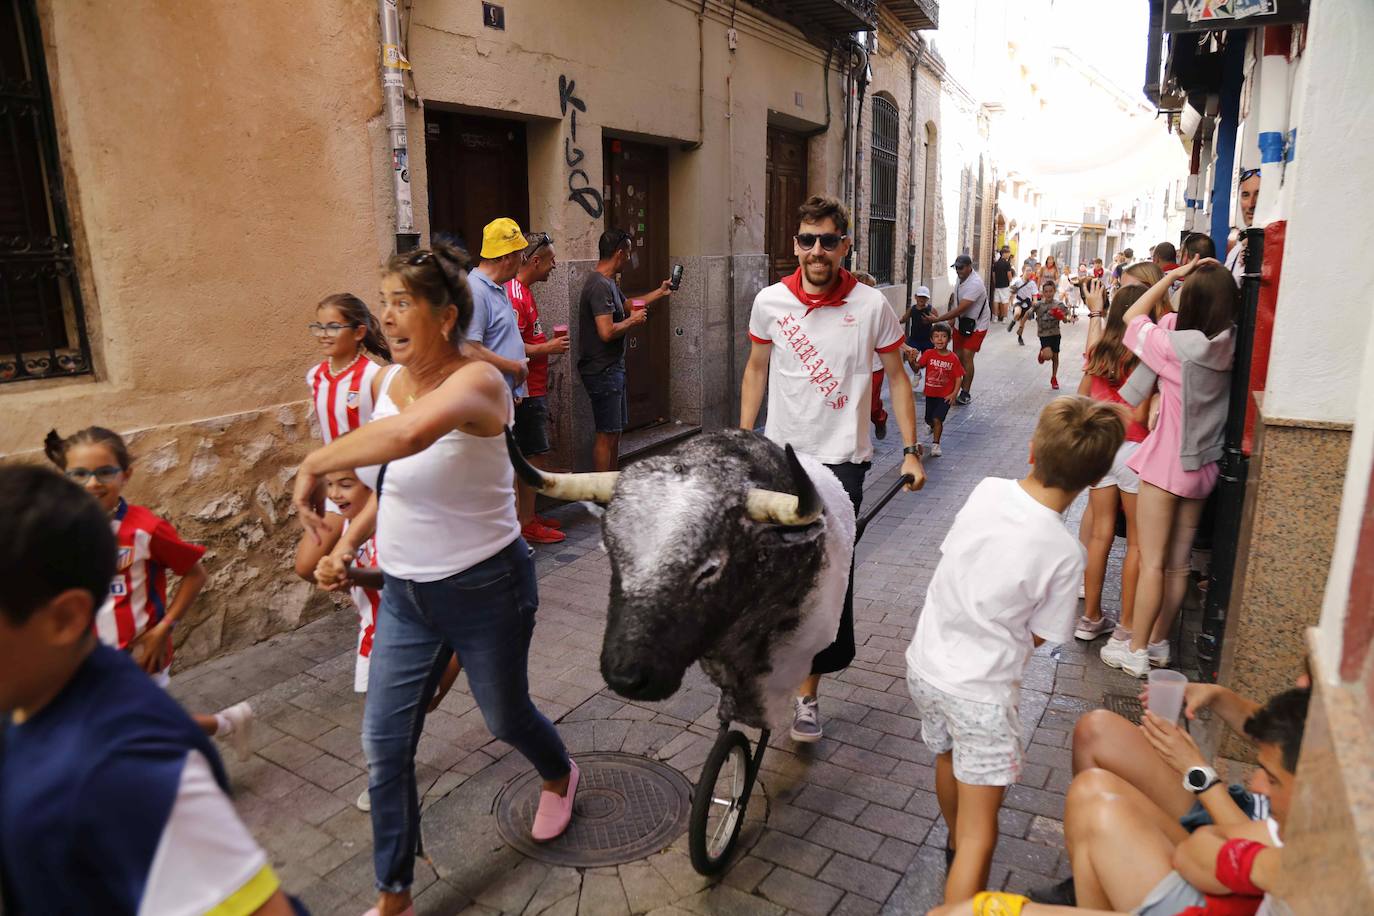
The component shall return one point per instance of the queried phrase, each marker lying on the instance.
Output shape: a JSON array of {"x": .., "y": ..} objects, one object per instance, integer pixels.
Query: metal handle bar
[{"x": 882, "y": 501}]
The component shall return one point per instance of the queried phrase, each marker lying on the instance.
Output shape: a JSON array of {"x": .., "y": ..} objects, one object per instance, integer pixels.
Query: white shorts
[
  {"x": 1002, "y": 295},
  {"x": 985, "y": 737},
  {"x": 1173, "y": 894},
  {"x": 1121, "y": 476}
]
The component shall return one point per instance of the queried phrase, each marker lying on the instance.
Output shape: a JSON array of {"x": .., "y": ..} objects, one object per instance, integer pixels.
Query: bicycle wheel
[{"x": 718, "y": 803}]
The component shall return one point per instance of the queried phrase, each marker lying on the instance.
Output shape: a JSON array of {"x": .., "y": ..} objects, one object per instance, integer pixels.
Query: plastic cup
[
  {"x": 1166, "y": 693},
  {"x": 638, "y": 305},
  {"x": 560, "y": 330}
]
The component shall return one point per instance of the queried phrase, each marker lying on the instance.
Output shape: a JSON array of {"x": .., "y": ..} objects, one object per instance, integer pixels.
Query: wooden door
[
  {"x": 637, "y": 178},
  {"x": 786, "y": 193},
  {"x": 477, "y": 170}
]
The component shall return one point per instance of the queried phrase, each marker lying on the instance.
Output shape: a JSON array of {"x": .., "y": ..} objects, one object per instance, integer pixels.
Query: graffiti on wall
[{"x": 580, "y": 189}]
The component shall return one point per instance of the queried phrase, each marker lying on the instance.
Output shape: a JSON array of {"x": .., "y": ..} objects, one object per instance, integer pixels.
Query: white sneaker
[
  {"x": 364, "y": 802},
  {"x": 1090, "y": 629},
  {"x": 240, "y": 736},
  {"x": 935, "y": 450},
  {"x": 1136, "y": 663},
  {"x": 1159, "y": 653},
  {"x": 1114, "y": 652}
]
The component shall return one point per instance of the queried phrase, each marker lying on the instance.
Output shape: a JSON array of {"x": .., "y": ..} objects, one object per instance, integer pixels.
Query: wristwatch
[
  {"x": 912, "y": 450},
  {"x": 1199, "y": 779}
]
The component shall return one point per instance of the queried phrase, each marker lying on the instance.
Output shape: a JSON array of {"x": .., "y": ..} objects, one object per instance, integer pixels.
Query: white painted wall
[{"x": 1322, "y": 318}]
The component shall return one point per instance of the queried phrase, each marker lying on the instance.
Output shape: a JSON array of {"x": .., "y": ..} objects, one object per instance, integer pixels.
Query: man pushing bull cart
[{"x": 813, "y": 334}]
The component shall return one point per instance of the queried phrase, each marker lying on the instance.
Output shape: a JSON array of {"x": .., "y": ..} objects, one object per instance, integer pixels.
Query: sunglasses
[
  {"x": 329, "y": 330},
  {"x": 106, "y": 474},
  {"x": 1247, "y": 174},
  {"x": 419, "y": 257},
  {"x": 829, "y": 240},
  {"x": 538, "y": 241}
]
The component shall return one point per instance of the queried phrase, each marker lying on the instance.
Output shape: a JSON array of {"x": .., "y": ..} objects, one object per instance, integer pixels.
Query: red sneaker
[
  {"x": 535, "y": 533},
  {"x": 547, "y": 522},
  {"x": 1054, "y": 383}
]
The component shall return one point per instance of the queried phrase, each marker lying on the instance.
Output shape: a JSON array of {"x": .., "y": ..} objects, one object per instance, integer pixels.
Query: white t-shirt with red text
[{"x": 820, "y": 375}]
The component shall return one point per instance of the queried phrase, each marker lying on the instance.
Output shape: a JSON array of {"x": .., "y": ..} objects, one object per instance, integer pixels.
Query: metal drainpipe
[
  {"x": 859, "y": 152},
  {"x": 731, "y": 293},
  {"x": 393, "y": 93},
  {"x": 911, "y": 180},
  {"x": 1234, "y": 468}
]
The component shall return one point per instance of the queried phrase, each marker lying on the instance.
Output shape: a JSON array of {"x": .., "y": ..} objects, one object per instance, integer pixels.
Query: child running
[
  {"x": 1049, "y": 314},
  {"x": 114, "y": 802},
  {"x": 1023, "y": 291},
  {"x": 977, "y": 631},
  {"x": 942, "y": 372},
  {"x": 341, "y": 385},
  {"x": 136, "y": 617}
]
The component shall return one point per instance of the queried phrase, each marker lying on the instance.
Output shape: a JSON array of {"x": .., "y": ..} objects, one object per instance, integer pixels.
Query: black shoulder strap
[{"x": 381, "y": 475}]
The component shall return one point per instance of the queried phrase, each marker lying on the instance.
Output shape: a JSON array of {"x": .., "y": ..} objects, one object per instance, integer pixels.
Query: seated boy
[
  {"x": 1127, "y": 859},
  {"x": 980, "y": 623},
  {"x": 112, "y": 800}
]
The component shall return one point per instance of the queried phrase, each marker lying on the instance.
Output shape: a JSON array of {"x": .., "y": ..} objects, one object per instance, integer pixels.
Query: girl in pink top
[
  {"x": 1106, "y": 366},
  {"x": 1191, "y": 352}
]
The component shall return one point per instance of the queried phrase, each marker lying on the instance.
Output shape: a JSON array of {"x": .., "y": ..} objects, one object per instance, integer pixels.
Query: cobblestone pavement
[{"x": 847, "y": 826}]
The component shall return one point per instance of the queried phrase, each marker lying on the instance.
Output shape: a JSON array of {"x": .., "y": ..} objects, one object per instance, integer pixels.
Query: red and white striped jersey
[
  {"x": 369, "y": 602},
  {"x": 343, "y": 402},
  {"x": 148, "y": 547}
]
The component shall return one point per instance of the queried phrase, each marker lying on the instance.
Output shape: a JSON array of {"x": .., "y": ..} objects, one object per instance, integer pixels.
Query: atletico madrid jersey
[
  {"x": 342, "y": 402},
  {"x": 148, "y": 547},
  {"x": 368, "y": 602}
]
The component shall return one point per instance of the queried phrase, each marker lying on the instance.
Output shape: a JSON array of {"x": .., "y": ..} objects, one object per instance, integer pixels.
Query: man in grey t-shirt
[{"x": 603, "y": 322}]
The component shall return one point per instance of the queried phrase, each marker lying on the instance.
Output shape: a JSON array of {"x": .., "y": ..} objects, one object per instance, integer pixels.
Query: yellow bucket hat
[{"x": 502, "y": 236}]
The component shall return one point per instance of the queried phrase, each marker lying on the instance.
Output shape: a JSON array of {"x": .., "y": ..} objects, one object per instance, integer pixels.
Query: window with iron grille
[
  {"x": 42, "y": 329},
  {"x": 882, "y": 207}
]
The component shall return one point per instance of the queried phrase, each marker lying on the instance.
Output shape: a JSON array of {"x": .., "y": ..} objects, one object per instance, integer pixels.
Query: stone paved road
[{"x": 847, "y": 826}]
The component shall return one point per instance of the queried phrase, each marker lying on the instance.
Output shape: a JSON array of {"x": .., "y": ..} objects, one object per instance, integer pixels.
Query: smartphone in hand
[{"x": 676, "y": 280}]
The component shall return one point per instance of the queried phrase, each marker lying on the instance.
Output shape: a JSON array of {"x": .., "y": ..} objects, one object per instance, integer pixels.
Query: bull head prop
[
  {"x": 762, "y": 505},
  {"x": 717, "y": 552}
]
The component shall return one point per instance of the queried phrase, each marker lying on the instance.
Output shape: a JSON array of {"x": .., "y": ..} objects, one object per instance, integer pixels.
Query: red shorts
[{"x": 970, "y": 342}]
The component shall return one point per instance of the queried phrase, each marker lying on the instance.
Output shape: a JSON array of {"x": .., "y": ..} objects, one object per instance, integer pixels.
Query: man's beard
[{"x": 819, "y": 272}]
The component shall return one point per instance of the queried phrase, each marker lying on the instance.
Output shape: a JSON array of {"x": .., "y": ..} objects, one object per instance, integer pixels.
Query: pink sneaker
[{"x": 555, "y": 811}]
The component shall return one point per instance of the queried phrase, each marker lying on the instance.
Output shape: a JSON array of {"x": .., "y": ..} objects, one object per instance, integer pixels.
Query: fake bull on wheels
[{"x": 733, "y": 553}]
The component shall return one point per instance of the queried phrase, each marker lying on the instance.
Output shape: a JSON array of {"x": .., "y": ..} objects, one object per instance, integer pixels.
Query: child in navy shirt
[{"x": 112, "y": 800}]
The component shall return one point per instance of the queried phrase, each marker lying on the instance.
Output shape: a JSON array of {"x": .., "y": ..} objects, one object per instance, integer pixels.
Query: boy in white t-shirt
[{"x": 981, "y": 623}]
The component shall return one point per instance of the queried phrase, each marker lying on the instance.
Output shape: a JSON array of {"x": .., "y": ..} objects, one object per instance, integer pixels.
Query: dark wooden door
[
  {"x": 477, "y": 171},
  {"x": 786, "y": 192},
  {"x": 637, "y": 176}
]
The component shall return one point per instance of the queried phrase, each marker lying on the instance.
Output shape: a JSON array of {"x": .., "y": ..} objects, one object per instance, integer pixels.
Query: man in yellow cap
[{"x": 494, "y": 334}]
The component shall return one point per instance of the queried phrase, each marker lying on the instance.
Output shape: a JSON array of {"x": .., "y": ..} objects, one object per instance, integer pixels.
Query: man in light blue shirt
[{"x": 494, "y": 334}]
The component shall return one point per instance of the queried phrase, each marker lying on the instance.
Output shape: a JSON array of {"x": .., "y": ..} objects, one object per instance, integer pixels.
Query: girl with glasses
[
  {"x": 137, "y": 617},
  {"x": 341, "y": 385}
]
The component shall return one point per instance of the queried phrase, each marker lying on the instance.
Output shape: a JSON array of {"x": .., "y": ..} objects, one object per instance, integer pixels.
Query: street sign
[
  {"x": 1209, "y": 15},
  {"x": 493, "y": 16}
]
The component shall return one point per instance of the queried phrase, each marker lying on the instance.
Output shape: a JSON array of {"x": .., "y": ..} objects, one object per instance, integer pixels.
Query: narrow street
[{"x": 846, "y": 826}]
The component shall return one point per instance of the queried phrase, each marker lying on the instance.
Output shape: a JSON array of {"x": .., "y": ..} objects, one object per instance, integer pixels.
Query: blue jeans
[{"x": 484, "y": 613}]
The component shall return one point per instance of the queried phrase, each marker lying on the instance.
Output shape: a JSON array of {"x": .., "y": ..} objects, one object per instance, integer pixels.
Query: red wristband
[{"x": 1234, "y": 863}]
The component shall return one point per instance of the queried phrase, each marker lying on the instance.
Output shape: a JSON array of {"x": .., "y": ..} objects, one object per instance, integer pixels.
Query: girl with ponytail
[{"x": 341, "y": 385}]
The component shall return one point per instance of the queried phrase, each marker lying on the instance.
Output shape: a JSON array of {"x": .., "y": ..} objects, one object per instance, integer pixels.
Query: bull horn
[
  {"x": 571, "y": 487},
  {"x": 784, "y": 508}
]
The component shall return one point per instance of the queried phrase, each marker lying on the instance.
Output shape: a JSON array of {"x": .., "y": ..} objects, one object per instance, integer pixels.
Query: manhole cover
[
  {"x": 1124, "y": 705},
  {"x": 627, "y": 807}
]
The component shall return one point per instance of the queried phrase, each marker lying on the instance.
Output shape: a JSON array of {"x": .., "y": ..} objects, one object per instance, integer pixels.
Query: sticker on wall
[
  {"x": 640, "y": 241},
  {"x": 641, "y": 225},
  {"x": 641, "y": 212},
  {"x": 630, "y": 190}
]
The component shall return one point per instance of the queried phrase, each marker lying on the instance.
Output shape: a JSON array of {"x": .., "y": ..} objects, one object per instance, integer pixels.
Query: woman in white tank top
[{"x": 458, "y": 577}]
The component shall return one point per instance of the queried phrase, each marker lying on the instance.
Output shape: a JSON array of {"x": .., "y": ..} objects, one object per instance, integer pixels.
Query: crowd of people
[{"x": 410, "y": 506}]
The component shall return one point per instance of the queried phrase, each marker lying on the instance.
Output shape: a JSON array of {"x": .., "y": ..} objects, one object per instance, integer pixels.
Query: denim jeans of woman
[{"x": 484, "y": 613}]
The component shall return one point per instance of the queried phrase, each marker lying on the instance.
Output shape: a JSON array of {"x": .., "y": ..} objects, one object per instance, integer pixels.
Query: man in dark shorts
[
  {"x": 532, "y": 412},
  {"x": 603, "y": 322}
]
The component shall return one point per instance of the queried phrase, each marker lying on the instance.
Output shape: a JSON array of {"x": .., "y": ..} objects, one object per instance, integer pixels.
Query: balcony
[
  {"x": 833, "y": 17},
  {"x": 915, "y": 14}
]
